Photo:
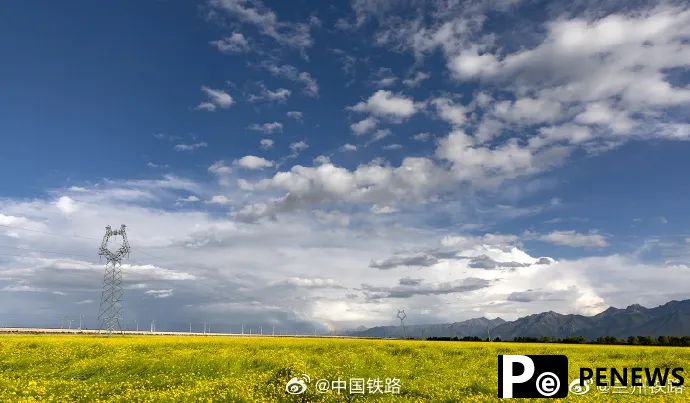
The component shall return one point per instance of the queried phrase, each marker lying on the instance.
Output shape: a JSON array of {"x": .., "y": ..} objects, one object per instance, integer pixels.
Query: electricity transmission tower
[
  {"x": 110, "y": 311},
  {"x": 402, "y": 315}
]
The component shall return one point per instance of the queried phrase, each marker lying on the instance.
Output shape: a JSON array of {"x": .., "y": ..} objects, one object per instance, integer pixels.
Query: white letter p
[{"x": 507, "y": 377}]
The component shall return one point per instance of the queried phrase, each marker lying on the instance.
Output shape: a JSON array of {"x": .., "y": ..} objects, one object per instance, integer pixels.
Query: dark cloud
[
  {"x": 409, "y": 281},
  {"x": 485, "y": 262},
  {"x": 535, "y": 295},
  {"x": 421, "y": 288},
  {"x": 423, "y": 260}
]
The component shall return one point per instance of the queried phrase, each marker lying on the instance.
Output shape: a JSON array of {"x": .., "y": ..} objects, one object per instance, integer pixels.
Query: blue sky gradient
[{"x": 370, "y": 132}]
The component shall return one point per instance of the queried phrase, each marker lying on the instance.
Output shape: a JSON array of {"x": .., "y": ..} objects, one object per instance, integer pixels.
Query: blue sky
[{"x": 279, "y": 161}]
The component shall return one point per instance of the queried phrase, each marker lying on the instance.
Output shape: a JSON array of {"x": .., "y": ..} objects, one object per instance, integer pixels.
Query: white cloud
[
  {"x": 383, "y": 209},
  {"x": 528, "y": 110},
  {"x": 160, "y": 293},
  {"x": 268, "y": 127},
  {"x": 364, "y": 126},
  {"x": 190, "y": 147},
  {"x": 220, "y": 200},
  {"x": 414, "y": 180},
  {"x": 222, "y": 171},
  {"x": 189, "y": 199},
  {"x": 386, "y": 104},
  {"x": 489, "y": 166},
  {"x": 297, "y": 115},
  {"x": 253, "y": 162},
  {"x": 379, "y": 135},
  {"x": 66, "y": 205},
  {"x": 278, "y": 95},
  {"x": 298, "y": 147},
  {"x": 311, "y": 87},
  {"x": 220, "y": 168},
  {"x": 424, "y": 136},
  {"x": 384, "y": 78},
  {"x": 600, "y": 113},
  {"x": 417, "y": 79},
  {"x": 348, "y": 147},
  {"x": 234, "y": 43},
  {"x": 266, "y": 143},
  {"x": 575, "y": 239},
  {"x": 305, "y": 269},
  {"x": 470, "y": 64},
  {"x": 313, "y": 282},
  {"x": 216, "y": 99},
  {"x": 450, "y": 111},
  {"x": 394, "y": 146},
  {"x": 255, "y": 13}
]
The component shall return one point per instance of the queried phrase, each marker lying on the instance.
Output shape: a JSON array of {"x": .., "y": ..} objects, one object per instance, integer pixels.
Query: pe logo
[
  {"x": 297, "y": 386},
  {"x": 532, "y": 376}
]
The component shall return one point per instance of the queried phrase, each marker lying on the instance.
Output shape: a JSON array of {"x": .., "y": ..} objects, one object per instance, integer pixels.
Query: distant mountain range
[{"x": 670, "y": 319}]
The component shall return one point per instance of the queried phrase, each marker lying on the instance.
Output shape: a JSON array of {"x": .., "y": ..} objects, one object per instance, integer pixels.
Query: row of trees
[{"x": 680, "y": 341}]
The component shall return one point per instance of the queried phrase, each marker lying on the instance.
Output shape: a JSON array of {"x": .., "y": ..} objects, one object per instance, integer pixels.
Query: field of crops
[{"x": 179, "y": 368}]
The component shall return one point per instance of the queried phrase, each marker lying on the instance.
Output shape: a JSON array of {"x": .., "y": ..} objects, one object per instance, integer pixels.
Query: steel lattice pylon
[
  {"x": 110, "y": 311},
  {"x": 402, "y": 316}
]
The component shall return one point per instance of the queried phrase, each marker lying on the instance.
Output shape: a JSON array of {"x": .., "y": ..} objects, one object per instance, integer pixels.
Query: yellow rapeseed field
[{"x": 71, "y": 368}]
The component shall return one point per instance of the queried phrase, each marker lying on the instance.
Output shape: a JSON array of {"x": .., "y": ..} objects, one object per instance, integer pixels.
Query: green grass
[{"x": 176, "y": 368}]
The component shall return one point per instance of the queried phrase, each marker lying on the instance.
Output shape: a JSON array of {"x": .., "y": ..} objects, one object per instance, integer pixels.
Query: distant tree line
[{"x": 679, "y": 341}]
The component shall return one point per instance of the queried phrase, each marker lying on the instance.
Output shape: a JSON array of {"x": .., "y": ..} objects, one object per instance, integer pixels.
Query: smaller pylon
[{"x": 402, "y": 316}]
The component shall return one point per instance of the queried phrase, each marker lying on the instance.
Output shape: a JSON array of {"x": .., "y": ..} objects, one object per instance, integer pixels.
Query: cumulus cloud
[
  {"x": 364, "y": 126},
  {"x": 386, "y": 104},
  {"x": 296, "y": 115},
  {"x": 188, "y": 199},
  {"x": 234, "y": 43},
  {"x": 307, "y": 187},
  {"x": 298, "y": 147},
  {"x": 417, "y": 79},
  {"x": 278, "y": 95},
  {"x": 255, "y": 13},
  {"x": 312, "y": 282},
  {"x": 574, "y": 239},
  {"x": 220, "y": 200},
  {"x": 215, "y": 99},
  {"x": 450, "y": 111},
  {"x": 305, "y": 271},
  {"x": 160, "y": 293},
  {"x": 253, "y": 162},
  {"x": 489, "y": 166},
  {"x": 190, "y": 147},
  {"x": 594, "y": 79},
  {"x": 65, "y": 204},
  {"x": 289, "y": 72},
  {"x": 424, "y": 136},
  {"x": 268, "y": 127},
  {"x": 222, "y": 171}
]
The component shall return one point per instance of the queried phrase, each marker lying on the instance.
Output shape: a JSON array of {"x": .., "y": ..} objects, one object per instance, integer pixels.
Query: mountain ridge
[{"x": 669, "y": 319}]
